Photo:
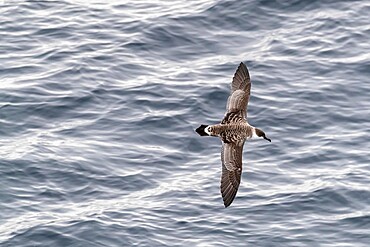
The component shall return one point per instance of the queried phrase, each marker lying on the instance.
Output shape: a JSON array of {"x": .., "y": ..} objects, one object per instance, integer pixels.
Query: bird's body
[{"x": 233, "y": 130}]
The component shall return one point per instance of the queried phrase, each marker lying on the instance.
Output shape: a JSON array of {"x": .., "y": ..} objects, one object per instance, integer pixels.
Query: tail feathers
[{"x": 201, "y": 130}]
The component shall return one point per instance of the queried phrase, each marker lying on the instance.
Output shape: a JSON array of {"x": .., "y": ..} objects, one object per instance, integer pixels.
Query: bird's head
[{"x": 262, "y": 134}]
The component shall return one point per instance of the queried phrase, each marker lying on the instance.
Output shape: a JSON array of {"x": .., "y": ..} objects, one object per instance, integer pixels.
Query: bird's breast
[{"x": 232, "y": 132}]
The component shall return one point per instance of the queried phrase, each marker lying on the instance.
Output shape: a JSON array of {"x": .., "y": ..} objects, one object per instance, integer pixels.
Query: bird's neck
[{"x": 254, "y": 135}]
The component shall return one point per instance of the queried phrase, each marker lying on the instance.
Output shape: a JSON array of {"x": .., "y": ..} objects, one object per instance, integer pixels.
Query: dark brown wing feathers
[
  {"x": 231, "y": 153},
  {"x": 240, "y": 91},
  {"x": 231, "y": 157},
  {"x": 241, "y": 79}
]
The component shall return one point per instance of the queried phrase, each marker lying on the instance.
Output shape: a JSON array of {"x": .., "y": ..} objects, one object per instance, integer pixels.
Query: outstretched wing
[
  {"x": 240, "y": 91},
  {"x": 231, "y": 157}
]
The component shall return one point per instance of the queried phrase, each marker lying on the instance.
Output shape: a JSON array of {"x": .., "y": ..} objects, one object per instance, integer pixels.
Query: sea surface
[{"x": 99, "y": 101}]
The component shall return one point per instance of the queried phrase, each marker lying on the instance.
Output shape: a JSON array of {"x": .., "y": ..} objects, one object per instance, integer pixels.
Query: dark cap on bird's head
[{"x": 262, "y": 134}]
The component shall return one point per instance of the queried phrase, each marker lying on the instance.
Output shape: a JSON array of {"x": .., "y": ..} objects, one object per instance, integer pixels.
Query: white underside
[{"x": 254, "y": 135}]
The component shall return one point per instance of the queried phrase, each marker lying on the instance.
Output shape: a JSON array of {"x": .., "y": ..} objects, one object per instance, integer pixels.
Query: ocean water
[{"x": 99, "y": 101}]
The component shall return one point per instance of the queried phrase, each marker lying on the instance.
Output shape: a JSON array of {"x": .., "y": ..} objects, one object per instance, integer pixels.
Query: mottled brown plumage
[{"x": 233, "y": 131}]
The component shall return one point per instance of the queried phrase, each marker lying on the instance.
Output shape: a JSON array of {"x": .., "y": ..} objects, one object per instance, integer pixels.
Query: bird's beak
[{"x": 267, "y": 138}]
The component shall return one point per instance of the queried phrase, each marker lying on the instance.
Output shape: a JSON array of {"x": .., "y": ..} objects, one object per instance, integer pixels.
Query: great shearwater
[{"x": 233, "y": 130}]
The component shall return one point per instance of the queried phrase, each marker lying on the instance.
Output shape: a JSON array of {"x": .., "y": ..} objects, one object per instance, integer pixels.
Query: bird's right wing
[
  {"x": 231, "y": 157},
  {"x": 240, "y": 92}
]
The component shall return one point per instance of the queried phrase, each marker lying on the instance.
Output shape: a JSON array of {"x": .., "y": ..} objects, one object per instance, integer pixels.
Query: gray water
[{"x": 99, "y": 102}]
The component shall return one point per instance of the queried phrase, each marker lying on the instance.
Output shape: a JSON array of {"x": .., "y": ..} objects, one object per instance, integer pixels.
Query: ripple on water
[{"x": 99, "y": 102}]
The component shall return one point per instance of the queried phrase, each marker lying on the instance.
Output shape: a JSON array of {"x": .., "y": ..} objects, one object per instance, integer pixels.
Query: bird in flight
[{"x": 233, "y": 130}]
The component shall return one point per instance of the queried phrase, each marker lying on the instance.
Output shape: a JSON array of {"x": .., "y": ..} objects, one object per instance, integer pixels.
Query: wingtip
[
  {"x": 241, "y": 79},
  {"x": 227, "y": 201}
]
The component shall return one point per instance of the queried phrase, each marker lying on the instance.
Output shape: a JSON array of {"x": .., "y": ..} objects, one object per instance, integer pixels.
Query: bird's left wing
[
  {"x": 240, "y": 92},
  {"x": 231, "y": 157}
]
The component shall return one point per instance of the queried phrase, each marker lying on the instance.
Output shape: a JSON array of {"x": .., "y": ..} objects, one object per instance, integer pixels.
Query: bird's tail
[{"x": 201, "y": 130}]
